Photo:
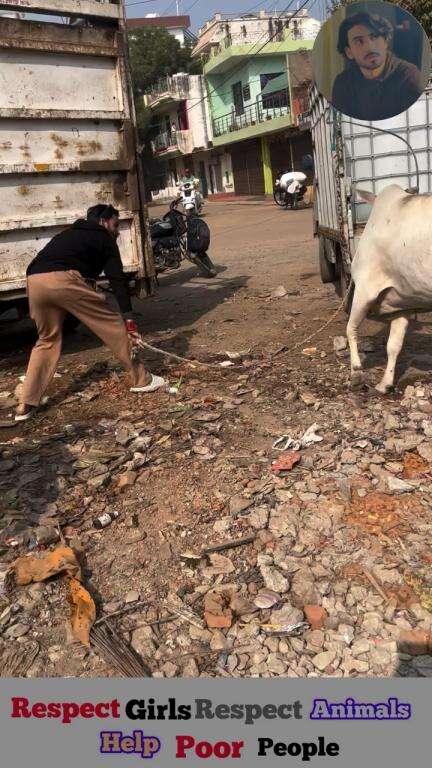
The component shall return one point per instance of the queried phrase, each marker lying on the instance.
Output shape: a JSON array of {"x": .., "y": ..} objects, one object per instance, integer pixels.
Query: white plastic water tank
[{"x": 12, "y": 14}]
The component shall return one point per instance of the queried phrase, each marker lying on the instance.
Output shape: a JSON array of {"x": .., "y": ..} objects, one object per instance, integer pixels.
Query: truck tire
[{"x": 328, "y": 270}]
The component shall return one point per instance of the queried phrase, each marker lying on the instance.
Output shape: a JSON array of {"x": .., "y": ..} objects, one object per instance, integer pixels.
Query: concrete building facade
[
  {"x": 177, "y": 26},
  {"x": 227, "y": 30},
  {"x": 255, "y": 100},
  {"x": 181, "y": 137}
]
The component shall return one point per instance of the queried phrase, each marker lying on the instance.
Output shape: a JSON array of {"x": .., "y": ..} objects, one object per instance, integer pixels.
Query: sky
[{"x": 202, "y": 10}]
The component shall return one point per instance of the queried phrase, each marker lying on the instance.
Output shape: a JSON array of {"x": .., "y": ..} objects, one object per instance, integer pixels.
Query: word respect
[{"x": 64, "y": 710}]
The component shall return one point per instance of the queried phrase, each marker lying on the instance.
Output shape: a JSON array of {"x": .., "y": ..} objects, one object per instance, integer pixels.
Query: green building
[{"x": 255, "y": 98}]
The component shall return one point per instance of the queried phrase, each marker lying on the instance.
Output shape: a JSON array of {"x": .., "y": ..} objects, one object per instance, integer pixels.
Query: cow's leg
[
  {"x": 398, "y": 329},
  {"x": 360, "y": 308}
]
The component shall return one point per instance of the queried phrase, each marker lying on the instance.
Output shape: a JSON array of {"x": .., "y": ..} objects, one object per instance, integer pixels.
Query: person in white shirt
[{"x": 292, "y": 181}]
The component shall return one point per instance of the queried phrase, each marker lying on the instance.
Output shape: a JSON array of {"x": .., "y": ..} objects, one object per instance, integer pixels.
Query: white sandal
[
  {"x": 32, "y": 412},
  {"x": 156, "y": 383}
]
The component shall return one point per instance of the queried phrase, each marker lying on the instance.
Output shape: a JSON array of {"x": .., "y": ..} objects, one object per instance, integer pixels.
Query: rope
[
  {"x": 144, "y": 345},
  {"x": 341, "y": 306}
]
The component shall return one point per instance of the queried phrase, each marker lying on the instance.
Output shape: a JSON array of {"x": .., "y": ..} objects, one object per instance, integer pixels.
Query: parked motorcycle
[
  {"x": 190, "y": 199},
  {"x": 291, "y": 194},
  {"x": 178, "y": 236}
]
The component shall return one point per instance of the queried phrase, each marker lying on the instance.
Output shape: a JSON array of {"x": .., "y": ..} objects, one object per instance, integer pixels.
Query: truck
[
  {"x": 67, "y": 134},
  {"x": 350, "y": 154}
]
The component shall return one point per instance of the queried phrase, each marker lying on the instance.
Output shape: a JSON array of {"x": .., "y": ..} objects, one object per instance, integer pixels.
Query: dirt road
[{"x": 347, "y": 529}]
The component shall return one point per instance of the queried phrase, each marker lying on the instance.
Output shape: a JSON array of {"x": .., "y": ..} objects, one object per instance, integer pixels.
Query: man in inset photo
[{"x": 376, "y": 84}]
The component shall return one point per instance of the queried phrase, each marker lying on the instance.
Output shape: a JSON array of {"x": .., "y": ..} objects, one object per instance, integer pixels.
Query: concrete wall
[
  {"x": 257, "y": 28},
  {"x": 227, "y": 172},
  {"x": 197, "y": 114}
]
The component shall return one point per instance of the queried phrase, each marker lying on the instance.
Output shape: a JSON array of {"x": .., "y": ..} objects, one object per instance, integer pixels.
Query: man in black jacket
[
  {"x": 61, "y": 280},
  {"x": 376, "y": 84}
]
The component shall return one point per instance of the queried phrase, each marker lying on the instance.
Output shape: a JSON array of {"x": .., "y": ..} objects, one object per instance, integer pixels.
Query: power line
[
  {"x": 252, "y": 56},
  {"x": 186, "y": 10},
  {"x": 140, "y": 2},
  {"x": 168, "y": 7}
]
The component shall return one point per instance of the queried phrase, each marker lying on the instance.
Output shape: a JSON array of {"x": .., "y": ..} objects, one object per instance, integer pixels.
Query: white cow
[{"x": 391, "y": 271}]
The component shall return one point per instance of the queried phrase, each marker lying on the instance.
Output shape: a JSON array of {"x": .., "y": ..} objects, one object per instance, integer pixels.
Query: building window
[
  {"x": 237, "y": 94},
  {"x": 275, "y": 100},
  {"x": 264, "y": 79},
  {"x": 246, "y": 92}
]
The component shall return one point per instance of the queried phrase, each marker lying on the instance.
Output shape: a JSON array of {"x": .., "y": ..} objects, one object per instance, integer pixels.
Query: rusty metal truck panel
[
  {"x": 107, "y": 9},
  {"x": 67, "y": 134}
]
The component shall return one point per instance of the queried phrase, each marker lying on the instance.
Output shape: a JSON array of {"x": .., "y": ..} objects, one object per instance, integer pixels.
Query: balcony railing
[
  {"x": 278, "y": 36},
  {"x": 263, "y": 109},
  {"x": 164, "y": 141},
  {"x": 182, "y": 141},
  {"x": 177, "y": 87}
]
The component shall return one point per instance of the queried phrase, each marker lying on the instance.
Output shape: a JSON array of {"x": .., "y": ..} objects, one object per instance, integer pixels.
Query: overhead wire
[
  {"x": 253, "y": 55},
  {"x": 186, "y": 10},
  {"x": 206, "y": 96},
  {"x": 139, "y": 2}
]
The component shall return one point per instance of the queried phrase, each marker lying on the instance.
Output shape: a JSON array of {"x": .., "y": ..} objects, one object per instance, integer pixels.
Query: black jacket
[
  {"x": 398, "y": 86},
  {"x": 90, "y": 250}
]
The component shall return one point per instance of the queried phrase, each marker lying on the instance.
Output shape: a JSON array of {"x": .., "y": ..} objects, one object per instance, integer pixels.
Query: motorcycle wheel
[
  {"x": 279, "y": 198},
  {"x": 204, "y": 264}
]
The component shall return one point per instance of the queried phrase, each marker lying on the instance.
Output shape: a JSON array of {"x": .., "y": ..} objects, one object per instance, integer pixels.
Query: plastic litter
[
  {"x": 309, "y": 438},
  {"x": 285, "y": 630},
  {"x": 105, "y": 520}
]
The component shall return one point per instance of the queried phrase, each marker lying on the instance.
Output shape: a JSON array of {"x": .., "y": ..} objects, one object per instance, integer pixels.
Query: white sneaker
[{"x": 156, "y": 383}]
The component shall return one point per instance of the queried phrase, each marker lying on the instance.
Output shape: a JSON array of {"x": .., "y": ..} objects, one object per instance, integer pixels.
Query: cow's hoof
[
  {"x": 383, "y": 389},
  {"x": 357, "y": 380}
]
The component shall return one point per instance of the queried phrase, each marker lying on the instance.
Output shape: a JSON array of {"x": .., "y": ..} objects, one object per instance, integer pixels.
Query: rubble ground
[{"x": 333, "y": 578}]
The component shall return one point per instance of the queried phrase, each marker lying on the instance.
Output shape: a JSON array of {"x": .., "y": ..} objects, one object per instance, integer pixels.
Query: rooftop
[
  {"x": 224, "y": 29},
  {"x": 262, "y": 14},
  {"x": 169, "y": 22}
]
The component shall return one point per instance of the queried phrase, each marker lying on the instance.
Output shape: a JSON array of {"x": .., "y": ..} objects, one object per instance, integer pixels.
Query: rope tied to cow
[{"x": 342, "y": 306}]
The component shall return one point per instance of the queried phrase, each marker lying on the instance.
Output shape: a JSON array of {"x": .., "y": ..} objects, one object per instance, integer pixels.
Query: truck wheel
[{"x": 327, "y": 268}]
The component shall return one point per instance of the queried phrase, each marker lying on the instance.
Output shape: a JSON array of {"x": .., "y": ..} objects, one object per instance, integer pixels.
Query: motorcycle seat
[{"x": 161, "y": 228}]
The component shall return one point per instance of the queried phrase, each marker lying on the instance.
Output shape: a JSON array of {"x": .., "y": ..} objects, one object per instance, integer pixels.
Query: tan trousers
[{"x": 51, "y": 296}]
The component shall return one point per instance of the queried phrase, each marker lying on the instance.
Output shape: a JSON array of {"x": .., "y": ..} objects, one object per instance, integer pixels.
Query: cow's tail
[{"x": 368, "y": 197}]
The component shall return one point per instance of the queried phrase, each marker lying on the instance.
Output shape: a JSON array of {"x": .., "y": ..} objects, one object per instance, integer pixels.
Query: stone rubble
[{"x": 342, "y": 540}]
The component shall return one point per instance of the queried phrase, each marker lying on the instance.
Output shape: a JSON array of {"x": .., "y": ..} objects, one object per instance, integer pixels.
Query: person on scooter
[
  {"x": 293, "y": 182},
  {"x": 189, "y": 178}
]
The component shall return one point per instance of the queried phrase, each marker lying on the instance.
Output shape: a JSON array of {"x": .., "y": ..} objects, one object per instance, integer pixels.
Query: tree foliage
[
  {"x": 154, "y": 53},
  {"x": 420, "y": 9}
]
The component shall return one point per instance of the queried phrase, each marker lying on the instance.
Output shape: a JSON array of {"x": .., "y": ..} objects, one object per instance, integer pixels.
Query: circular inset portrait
[{"x": 371, "y": 60}]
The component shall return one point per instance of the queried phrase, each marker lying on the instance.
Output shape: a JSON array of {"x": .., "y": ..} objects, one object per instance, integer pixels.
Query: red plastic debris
[{"x": 286, "y": 461}]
